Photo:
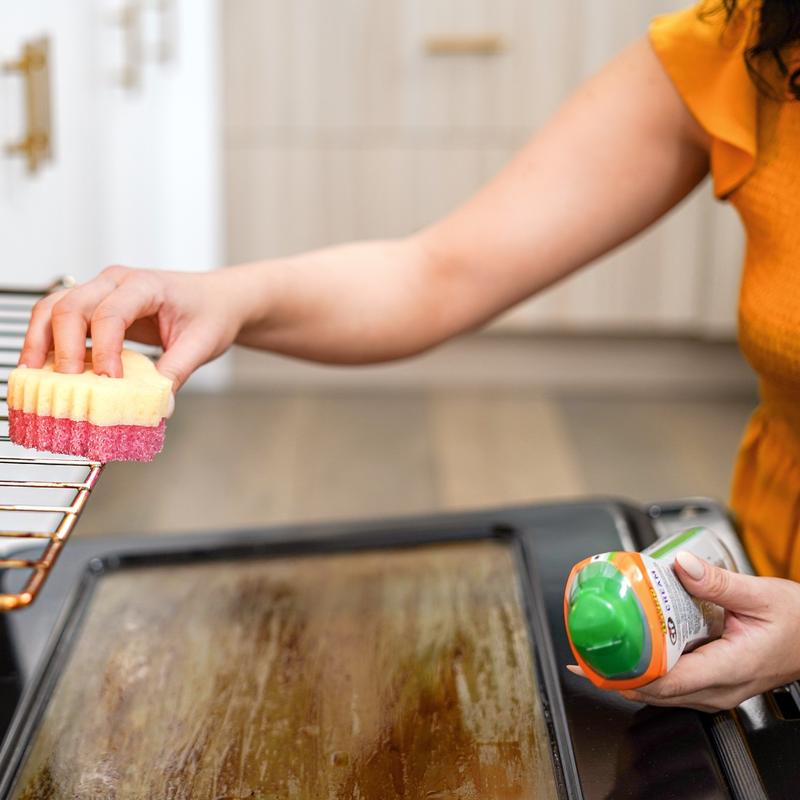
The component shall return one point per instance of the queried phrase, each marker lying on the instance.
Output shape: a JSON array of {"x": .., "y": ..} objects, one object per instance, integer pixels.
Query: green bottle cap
[{"x": 606, "y": 622}]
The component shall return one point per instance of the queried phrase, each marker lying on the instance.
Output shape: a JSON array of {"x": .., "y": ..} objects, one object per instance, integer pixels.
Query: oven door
[{"x": 416, "y": 659}]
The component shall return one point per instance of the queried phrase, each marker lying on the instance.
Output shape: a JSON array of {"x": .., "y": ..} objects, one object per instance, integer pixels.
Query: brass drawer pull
[
  {"x": 129, "y": 19},
  {"x": 456, "y": 45},
  {"x": 167, "y": 43},
  {"x": 34, "y": 67}
]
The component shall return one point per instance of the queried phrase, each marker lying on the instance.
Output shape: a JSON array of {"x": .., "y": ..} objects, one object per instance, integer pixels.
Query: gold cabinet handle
[
  {"x": 167, "y": 39},
  {"x": 33, "y": 66},
  {"x": 135, "y": 18},
  {"x": 490, "y": 44},
  {"x": 129, "y": 20}
]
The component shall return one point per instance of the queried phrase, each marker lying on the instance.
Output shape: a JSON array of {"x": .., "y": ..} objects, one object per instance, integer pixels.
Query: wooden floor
[{"x": 255, "y": 458}]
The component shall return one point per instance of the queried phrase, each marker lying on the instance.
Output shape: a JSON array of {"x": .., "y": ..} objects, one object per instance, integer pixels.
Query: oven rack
[{"x": 41, "y": 496}]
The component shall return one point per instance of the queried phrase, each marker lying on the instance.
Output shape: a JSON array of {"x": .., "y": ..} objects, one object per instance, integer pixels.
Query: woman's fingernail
[
  {"x": 171, "y": 405},
  {"x": 22, "y": 366},
  {"x": 691, "y": 564}
]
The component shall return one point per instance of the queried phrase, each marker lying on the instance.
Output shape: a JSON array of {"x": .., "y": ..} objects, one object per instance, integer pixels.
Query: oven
[{"x": 414, "y": 658}]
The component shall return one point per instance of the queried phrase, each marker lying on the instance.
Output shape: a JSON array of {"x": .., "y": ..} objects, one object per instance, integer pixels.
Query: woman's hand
[
  {"x": 193, "y": 316},
  {"x": 759, "y": 648}
]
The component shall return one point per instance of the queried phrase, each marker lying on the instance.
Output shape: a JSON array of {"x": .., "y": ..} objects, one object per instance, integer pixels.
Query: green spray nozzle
[{"x": 605, "y": 620}]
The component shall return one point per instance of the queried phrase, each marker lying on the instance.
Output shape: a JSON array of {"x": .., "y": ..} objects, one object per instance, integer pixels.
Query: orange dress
[{"x": 755, "y": 164}]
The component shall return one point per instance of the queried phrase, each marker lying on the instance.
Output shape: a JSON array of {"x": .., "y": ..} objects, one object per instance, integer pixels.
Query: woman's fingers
[
  {"x": 111, "y": 319},
  {"x": 70, "y": 317},
  {"x": 194, "y": 347},
  {"x": 70, "y": 328},
  {"x": 157, "y": 307},
  {"x": 104, "y": 308},
  {"x": 731, "y": 590},
  {"x": 708, "y": 700},
  {"x": 39, "y": 336},
  {"x": 712, "y": 665}
]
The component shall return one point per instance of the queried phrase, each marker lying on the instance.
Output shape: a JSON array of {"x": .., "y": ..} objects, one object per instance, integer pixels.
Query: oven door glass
[{"x": 401, "y": 673}]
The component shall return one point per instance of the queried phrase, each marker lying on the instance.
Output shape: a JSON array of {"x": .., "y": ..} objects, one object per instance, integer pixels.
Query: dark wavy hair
[{"x": 778, "y": 33}]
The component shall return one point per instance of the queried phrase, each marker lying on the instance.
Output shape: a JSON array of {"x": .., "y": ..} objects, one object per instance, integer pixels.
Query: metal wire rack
[{"x": 41, "y": 496}]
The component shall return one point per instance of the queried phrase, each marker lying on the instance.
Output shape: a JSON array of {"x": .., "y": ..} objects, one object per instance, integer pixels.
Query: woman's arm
[{"x": 618, "y": 155}]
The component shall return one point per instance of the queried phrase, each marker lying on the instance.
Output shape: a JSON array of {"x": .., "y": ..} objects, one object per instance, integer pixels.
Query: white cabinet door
[
  {"x": 134, "y": 176},
  {"x": 158, "y": 159},
  {"x": 44, "y": 227}
]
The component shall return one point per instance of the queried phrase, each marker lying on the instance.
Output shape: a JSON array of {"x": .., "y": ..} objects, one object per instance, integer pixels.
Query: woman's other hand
[
  {"x": 192, "y": 316},
  {"x": 759, "y": 648}
]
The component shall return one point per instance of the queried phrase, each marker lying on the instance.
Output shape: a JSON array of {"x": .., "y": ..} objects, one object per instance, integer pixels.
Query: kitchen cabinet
[
  {"x": 133, "y": 176},
  {"x": 42, "y": 214},
  {"x": 412, "y": 66},
  {"x": 362, "y": 119},
  {"x": 160, "y": 173}
]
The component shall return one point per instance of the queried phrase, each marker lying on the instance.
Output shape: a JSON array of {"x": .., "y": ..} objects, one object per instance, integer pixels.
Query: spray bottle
[{"x": 628, "y": 616}]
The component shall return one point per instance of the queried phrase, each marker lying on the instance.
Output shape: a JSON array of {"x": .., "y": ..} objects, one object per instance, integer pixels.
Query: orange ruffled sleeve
[{"x": 704, "y": 58}]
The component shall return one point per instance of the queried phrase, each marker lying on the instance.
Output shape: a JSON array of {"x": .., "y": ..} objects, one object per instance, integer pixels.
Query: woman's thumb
[
  {"x": 728, "y": 589},
  {"x": 195, "y": 346},
  {"x": 183, "y": 357}
]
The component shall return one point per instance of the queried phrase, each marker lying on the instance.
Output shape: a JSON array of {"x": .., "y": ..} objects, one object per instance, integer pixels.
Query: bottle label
[{"x": 687, "y": 621}]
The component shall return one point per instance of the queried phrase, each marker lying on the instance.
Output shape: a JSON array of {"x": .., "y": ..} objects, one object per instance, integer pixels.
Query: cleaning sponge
[{"x": 101, "y": 418}]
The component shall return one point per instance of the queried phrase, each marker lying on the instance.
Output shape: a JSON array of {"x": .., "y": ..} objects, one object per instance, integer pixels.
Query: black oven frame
[{"x": 602, "y": 745}]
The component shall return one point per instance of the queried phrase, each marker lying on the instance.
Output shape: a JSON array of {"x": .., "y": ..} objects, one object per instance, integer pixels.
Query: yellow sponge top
[{"x": 141, "y": 397}]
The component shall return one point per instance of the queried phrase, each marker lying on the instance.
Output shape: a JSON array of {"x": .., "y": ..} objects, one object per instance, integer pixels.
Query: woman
[{"x": 710, "y": 89}]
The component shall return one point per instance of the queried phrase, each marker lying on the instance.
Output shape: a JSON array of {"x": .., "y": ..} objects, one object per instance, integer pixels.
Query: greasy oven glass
[{"x": 402, "y": 673}]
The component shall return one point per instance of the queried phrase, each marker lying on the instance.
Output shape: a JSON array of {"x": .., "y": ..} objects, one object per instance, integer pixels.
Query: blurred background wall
[{"x": 188, "y": 135}]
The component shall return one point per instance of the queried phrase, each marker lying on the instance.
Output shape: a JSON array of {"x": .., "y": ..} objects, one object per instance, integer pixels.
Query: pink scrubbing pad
[
  {"x": 97, "y": 442},
  {"x": 101, "y": 418}
]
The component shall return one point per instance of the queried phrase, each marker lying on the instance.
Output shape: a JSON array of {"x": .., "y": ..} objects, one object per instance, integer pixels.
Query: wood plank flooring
[{"x": 244, "y": 459}]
